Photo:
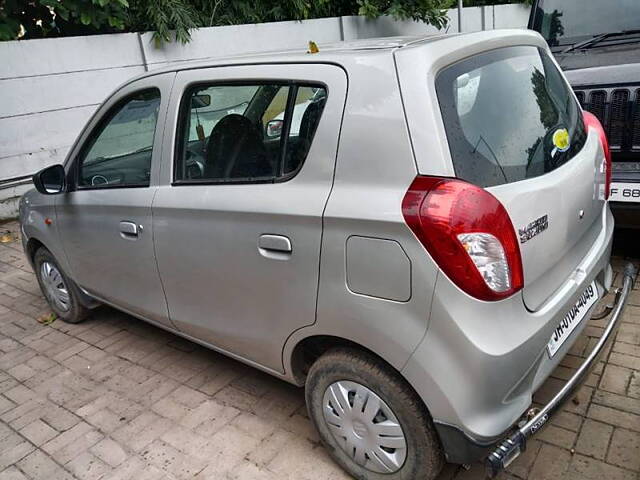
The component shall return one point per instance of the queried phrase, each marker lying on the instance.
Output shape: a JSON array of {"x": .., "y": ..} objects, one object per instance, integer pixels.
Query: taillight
[
  {"x": 468, "y": 233},
  {"x": 591, "y": 121}
]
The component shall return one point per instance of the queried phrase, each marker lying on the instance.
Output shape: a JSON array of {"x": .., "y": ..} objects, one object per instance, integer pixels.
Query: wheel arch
[
  {"x": 316, "y": 345},
  {"x": 33, "y": 244},
  {"x": 31, "y": 247},
  {"x": 308, "y": 349}
]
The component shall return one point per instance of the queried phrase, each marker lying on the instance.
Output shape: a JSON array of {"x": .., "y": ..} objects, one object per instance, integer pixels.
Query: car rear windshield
[
  {"x": 565, "y": 22},
  {"x": 509, "y": 115}
]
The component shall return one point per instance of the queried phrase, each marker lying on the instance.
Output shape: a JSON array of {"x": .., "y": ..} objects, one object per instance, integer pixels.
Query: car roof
[
  {"x": 335, "y": 52},
  {"x": 348, "y": 53}
]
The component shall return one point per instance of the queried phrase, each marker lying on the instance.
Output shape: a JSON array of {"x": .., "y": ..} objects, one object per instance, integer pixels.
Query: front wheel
[
  {"x": 59, "y": 290},
  {"x": 372, "y": 423}
]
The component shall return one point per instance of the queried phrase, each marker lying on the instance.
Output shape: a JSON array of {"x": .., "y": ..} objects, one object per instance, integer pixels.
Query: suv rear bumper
[{"x": 626, "y": 214}]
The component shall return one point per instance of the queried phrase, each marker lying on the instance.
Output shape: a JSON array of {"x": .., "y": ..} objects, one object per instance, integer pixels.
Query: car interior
[
  {"x": 238, "y": 145},
  {"x": 120, "y": 152},
  {"x": 224, "y": 136}
]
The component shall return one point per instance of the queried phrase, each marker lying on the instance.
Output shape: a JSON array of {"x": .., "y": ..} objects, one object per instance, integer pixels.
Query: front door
[
  {"x": 238, "y": 224},
  {"x": 105, "y": 218}
]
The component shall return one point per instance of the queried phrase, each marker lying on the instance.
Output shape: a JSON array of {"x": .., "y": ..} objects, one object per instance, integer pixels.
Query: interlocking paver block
[
  {"x": 523, "y": 464},
  {"x": 87, "y": 467},
  {"x": 12, "y": 473},
  {"x": 113, "y": 398},
  {"x": 615, "y": 379},
  {"x": 38, "y": 432},
  {"x": 21, "y": 372},
  {"x": 171, "y": 460},
  {"x": 67, "y": 437},
  {"x": 142, "y": 430},
  {"x": 80, "y": 444},
  {"x": 12, "y": 449},
  {"x": 592, "y": 469},
  {"x": 249, "y": 471},
  {"x": 615, "y": 417},
  {"x": 617, "y": 402},
  {"x": 634, "y": 385},
  {"x": 39, "y": 465},
  {"x": 625, "y": 449},
  {"x": 109, "y": 452},
  {"x": 551, "y": 463},
  {"x": 135, "y": 468},
  {"x": 557, "y": 436},
  {"x": 594, "y": 439}
]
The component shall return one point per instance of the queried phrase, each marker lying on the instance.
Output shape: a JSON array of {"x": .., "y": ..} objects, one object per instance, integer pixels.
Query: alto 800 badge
[{"x": 534, "y": 228}]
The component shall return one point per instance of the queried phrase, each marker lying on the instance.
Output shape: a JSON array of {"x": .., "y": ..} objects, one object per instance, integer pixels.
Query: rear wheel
[
  {"x": 373, "y": 424},
  {"x": 61, "y": 293}
]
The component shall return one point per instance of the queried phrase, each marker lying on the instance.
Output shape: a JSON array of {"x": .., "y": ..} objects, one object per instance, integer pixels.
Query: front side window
[
  {"x": 246, "y": 133},
  {"x": 509, "y": 115},
  {"x": 119, "y": 153}
]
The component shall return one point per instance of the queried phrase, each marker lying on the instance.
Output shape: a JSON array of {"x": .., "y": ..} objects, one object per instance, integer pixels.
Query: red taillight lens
[
  {"x": 591, "y": 121},
  {"x": 468, "y": 233}
]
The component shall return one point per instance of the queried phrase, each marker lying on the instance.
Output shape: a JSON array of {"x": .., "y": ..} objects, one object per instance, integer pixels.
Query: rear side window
[
  {"x": 509, "y": 115},
  {"x": 246, "y": 133}
]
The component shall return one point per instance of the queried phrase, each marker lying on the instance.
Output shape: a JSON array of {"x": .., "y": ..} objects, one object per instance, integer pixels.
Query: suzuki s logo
[{"x": 534, "y": 228}]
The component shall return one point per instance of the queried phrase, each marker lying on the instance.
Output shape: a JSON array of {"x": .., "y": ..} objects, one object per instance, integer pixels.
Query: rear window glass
[{"x": 509, "y": 115}]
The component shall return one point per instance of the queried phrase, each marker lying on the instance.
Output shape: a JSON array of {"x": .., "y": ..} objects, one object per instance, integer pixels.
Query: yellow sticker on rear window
[{"x": 561, "y": 139}]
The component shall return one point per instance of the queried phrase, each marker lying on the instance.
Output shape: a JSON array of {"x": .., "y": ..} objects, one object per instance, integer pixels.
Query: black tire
[
  {"x": 76, "y": 311},
  {"x": 424, "y": 457}
]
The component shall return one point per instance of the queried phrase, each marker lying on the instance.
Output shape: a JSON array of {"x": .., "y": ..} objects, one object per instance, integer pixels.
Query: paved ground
[{"x": 115, "y": 398}]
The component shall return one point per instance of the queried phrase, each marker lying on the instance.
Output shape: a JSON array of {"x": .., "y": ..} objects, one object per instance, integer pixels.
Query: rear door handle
[
  {"x": 128, "y": 229},
  {"x": 274, "y": 243}
]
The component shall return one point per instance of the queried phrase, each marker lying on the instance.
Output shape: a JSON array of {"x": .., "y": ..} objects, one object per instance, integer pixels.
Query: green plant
[
  {"x": 42, "y": 18},
  {"x": 175, "y": 19},
  {"x": 428, "y": 11},
  {"x": 479, "y": 3},
  {"x": 168, "y": 19}
]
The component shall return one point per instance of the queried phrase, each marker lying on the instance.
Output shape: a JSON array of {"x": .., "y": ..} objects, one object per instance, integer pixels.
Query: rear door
[
  {"x": 514, "y": 127},
  {"x": 238, "y": 220}
]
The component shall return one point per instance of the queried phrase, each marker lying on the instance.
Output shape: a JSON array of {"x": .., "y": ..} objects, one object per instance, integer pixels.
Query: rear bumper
[
  {"x": 481, "y": 362},
  {"x": 515, "y": 443},
  {"x": 501, "y": 450}
]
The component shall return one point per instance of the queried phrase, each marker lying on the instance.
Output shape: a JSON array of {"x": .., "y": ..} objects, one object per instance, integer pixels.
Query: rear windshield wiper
[{"x": 598, "y": 38}]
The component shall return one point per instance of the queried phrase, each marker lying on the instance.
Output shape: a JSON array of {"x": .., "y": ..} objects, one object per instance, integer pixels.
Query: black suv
[{"x": 597, "y": 44}]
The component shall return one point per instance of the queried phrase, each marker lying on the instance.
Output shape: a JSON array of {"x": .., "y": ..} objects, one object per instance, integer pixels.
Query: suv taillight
[
  {"x": 591, "y": 121},
  {"x": 468, "y": 233}
]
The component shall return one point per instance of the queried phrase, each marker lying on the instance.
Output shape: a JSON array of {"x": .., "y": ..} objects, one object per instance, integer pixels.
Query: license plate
[
  {"x": 624, "y": 192},
  {"x": 571, "y": 320}
]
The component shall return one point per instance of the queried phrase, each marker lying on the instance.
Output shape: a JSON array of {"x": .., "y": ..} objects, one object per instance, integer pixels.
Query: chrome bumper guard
[{"x": 512, "y": 446}]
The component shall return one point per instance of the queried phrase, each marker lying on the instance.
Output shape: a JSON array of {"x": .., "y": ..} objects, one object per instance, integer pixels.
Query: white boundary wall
[{"x": 50, "y": 87}]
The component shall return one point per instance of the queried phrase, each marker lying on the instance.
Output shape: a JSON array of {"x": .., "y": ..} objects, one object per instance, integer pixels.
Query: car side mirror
[
  {"x": 50, "y": 180},
  {"x": 274, "y": 128}
]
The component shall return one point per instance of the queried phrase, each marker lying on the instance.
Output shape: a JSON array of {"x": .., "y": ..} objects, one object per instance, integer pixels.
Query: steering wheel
[{"x": 107, "y": 179}]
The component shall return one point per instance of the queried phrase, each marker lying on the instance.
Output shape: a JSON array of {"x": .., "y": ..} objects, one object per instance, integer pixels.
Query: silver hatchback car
[{"x": 416, "y": 230}]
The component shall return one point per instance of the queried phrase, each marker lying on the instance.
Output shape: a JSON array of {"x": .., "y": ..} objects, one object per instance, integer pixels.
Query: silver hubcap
[
  {"x": 54, "y": 286},
  {"x": 364, "y": 426}
]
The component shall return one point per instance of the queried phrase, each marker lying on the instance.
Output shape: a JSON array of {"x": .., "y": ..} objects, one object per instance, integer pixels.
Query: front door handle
[
  {"x": 274, "y": 243},
  {"x": 128, "y": 229}
]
